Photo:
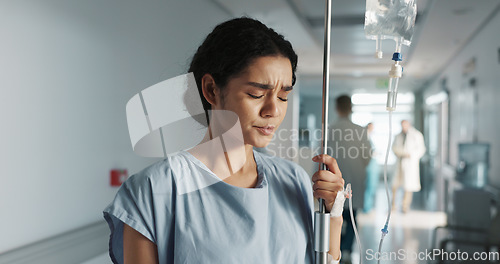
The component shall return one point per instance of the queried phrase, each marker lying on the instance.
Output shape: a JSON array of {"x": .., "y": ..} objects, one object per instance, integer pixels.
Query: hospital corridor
[{"x": 166, "y": 131}]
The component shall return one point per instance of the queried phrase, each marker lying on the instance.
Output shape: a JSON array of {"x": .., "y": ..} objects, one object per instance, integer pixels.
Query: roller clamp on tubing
[{"x": 384, "y": 230}]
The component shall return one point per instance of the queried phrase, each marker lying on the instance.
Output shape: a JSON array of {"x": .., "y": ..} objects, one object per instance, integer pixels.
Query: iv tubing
[
  {"x": 358, "y": 241},
  {"x": 384, "y": 230},
  {"x": 399, "y": 41},
  {"x": 378, "y": 47},
  {"x": 395, "y": 73}
]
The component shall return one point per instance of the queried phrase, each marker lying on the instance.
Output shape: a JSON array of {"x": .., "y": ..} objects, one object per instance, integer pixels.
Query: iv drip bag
[{"x": 390, "y": 19}]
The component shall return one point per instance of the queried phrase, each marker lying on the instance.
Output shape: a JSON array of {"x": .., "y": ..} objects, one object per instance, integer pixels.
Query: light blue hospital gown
[{"x": 220, "y": 223}]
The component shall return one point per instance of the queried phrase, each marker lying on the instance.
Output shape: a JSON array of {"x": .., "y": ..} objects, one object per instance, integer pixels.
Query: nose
[{"x": 270, "y": 108}]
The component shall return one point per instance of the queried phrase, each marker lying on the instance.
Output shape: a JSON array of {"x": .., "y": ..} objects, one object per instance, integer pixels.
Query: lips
[{"x": 265, "y": 130}]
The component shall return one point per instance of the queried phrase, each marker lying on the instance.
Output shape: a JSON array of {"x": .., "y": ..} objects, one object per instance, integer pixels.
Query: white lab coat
[{"x": 408, "y": 168}]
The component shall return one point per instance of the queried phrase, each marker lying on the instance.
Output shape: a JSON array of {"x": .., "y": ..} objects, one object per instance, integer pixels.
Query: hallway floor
[{"x": 411, "y": 232}]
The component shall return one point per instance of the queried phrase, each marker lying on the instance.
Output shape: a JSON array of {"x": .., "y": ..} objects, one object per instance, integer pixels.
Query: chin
[
  {"x": 260, "y": 142},
  {"x": 257, "y": 141}
]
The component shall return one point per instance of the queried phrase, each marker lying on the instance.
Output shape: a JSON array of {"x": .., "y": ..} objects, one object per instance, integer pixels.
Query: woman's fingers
[
  {"x": 330, "y": 162},
  {"x": 327, "y": 182},
  {"x": 324, "y": 175},
  {"x": 326, "y": 195},
  {"x": 328, "y": 186}
]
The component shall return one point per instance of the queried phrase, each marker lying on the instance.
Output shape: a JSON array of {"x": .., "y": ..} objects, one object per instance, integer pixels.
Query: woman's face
[{"x": 258, "y": 96}]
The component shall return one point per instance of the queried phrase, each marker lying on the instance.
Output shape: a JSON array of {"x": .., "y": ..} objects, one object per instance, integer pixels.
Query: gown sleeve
[{"x": 133, "y": 205}]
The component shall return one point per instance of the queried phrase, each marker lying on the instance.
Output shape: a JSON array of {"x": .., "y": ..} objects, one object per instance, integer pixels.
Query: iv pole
[{"x": 321, "y": 218}]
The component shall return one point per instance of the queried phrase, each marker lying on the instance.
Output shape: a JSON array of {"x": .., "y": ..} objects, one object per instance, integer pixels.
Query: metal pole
[{"x": 322, "y": 219}]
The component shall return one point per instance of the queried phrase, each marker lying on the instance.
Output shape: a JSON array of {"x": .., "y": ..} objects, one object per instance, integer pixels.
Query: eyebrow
[{"x": 268, "y": 86}]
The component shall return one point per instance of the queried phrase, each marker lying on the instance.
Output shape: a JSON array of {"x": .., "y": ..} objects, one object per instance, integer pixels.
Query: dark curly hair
[{"x": 232, "y": 46}]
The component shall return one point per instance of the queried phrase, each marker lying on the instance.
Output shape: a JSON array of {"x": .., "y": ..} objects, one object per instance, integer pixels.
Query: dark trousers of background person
[{"x": 347, "y": 237}]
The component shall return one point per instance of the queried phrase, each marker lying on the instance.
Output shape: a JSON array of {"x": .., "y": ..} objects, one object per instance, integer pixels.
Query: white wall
[
  {"x": 485, "y": 47},
  {"x": 67, "y": 70}
]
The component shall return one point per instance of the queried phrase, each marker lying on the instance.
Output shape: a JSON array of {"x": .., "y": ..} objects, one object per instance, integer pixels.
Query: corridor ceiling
[{"x": 443, "y": 28}]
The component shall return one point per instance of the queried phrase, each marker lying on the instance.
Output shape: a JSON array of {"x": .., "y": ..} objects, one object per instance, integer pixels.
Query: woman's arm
[
  {"x": 137, "y": 249},
  {"x": 335, "y": 232}
]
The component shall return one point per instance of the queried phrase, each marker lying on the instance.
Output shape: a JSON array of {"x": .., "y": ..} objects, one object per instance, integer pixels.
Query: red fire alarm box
[{"x": 118, "y": 176}]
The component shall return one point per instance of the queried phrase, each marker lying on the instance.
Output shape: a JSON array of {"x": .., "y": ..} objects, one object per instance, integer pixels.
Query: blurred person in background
[{"x": 409, "y": 147}]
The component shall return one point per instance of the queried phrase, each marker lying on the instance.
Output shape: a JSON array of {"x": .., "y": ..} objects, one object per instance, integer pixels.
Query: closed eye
[
  {"x": 283, "y": 99},
  {"x": 255, "y": 96}
]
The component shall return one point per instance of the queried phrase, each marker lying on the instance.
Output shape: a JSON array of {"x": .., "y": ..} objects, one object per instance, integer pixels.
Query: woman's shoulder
[
  {"x": 180, "y": 172},
  {"x": 159, "y": 174}
]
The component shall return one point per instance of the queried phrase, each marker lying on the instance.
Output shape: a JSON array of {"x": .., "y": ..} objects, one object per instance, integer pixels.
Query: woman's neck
[
  {"x": 235, "y": 166},
  {"x": 247, "y": 176}
]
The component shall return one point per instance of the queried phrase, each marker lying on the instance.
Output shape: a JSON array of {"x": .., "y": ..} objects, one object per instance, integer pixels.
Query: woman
[{"x": 262, "y": 212}]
